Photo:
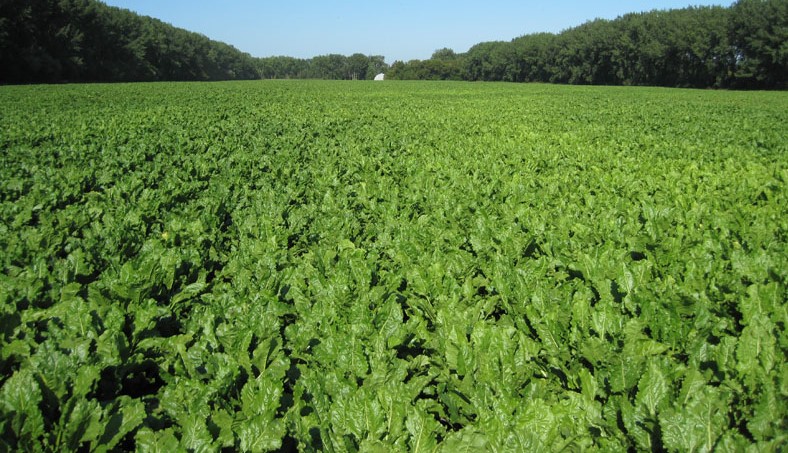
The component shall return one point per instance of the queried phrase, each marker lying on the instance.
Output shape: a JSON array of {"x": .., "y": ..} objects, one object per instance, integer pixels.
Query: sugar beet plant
[{"x": 392, "y": 267}]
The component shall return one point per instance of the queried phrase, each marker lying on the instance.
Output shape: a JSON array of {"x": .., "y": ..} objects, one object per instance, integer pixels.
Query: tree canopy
[
  {"x": 332, "y": 66},
  {"x": 86, "y": 40},
  {"x": 741, "y": 46},
  {"x": 744, "y": 46}
]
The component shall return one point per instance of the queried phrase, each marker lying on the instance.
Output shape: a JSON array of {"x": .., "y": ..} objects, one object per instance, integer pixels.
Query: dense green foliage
[
  {"x": 332, "y": 67},
  {"x": 743, "y": 46},
  {"x": 86, "y": 40},
  {"x": 402, "y": 266}
]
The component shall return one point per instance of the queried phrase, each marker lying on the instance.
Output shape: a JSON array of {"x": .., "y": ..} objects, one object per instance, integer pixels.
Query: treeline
[
  {"x": 743, "y": 46},
  {"x": 86, "y": 40},
  {"x": 44, "y": 41},
  {"x": 334, "y": 66}
]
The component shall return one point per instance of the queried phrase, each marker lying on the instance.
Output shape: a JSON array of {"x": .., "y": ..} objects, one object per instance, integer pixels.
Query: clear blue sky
[{"x": 396, "y": 29}]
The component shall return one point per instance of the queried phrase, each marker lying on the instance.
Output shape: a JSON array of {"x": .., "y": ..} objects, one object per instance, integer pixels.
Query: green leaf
[
  {"x": 588, "y": 384},
  {"x": 625, "y": 372},
  {"x": 125, "y": 418},
  {"x": 260, "y": 433},
  {"x": 69, "y": 293},
  {"x": 423, "y": 430},
  {"x": 224, "y": 421},
  {"x": 195, "y": 435},
  {"x": 466, "y": 440},
  {"x": 652, "y": 388},
  {"x": 360, "y": 415},
  {"x": 769, "y": 417},
  {"x": 260, "y": 397},
  {"x": 755, "y": 350},
  {"x": 164, "y": 441},
  {"x": 535, "y": 425},
  {"x": 389, "y": 323},
  {"x": 692, "y": 383},
  {"x": 84, "y": 424},
  {"x": 20, "y": 398},
  {"x": 395, "y": 404},
  {"x": 696, "y": 425},
  {"x": 638, "y": 424},
  {"x": 188, "y": 292},
  {"x": 112, "y": 346}
]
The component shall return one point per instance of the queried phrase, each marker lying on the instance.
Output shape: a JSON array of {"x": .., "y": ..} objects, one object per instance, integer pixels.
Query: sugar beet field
[{"x": 392, "y": 266}]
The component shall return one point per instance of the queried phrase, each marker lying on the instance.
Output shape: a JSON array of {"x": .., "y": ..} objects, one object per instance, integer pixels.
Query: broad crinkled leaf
[
  {"x": 652, "y": 388},
  {"x": 466, "y": 440},
  {"x": 20, "y": 398},
  {"x": 697, "y": 424},
  {"x": 195, "y": 433},
  {"x": 423, "y": 430},
  {"x": 163, "y": 441},
  {"x": 639, "y": 424},
  {"x": 767, "y": 421},
  {"x": 84, "y": 424},
  {"x": 260, "y": 433},
  {"x": 125, "y": 418},
  {"x": 588, "y": 384},
  {"x": 755, "y": 348},
  {"x": 188, "y": 292}
]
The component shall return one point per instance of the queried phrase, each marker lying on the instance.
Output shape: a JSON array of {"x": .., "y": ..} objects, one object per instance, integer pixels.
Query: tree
[
  {"x": 86, "y": 40},
  {"x": 444, "y": 54},
  {"x": 490, "y": 61},
  {"x": 759, "y": 32},
  {"x": 357, "y": 66},
  {"x": 376, "y": 65},
  {"x": 534, "y": 52}
]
